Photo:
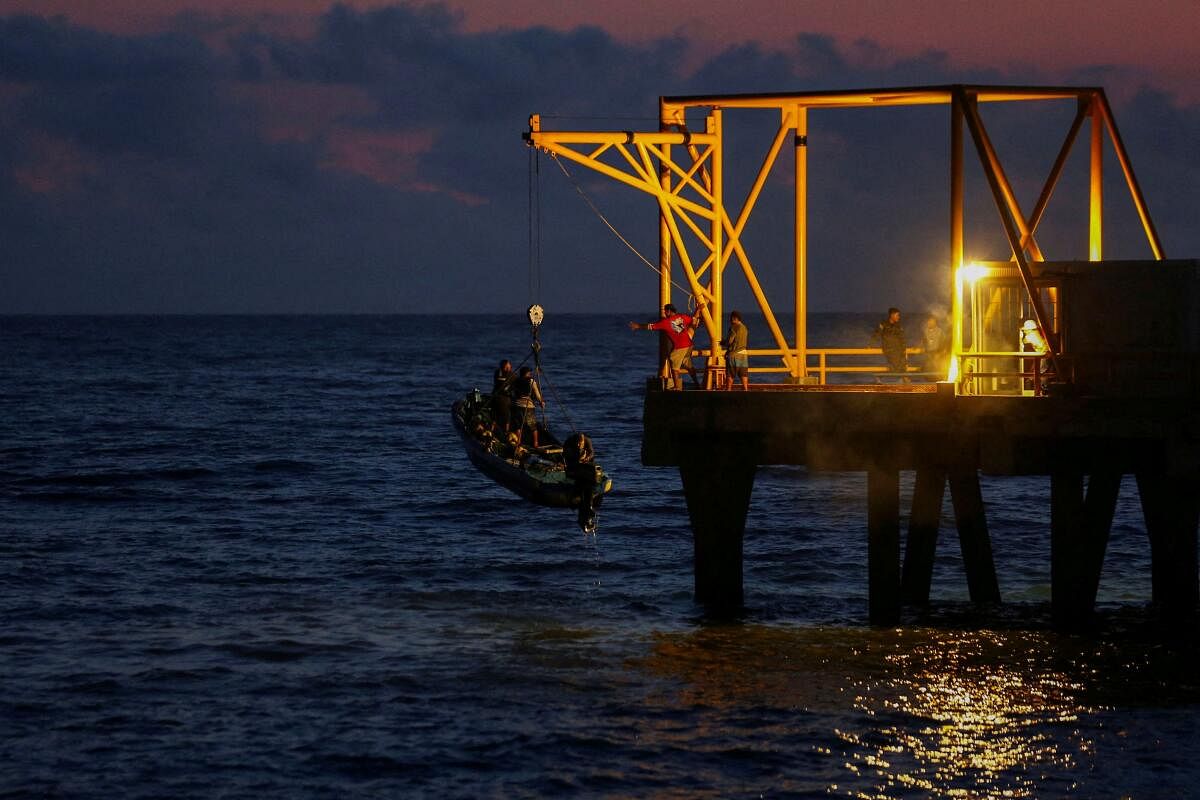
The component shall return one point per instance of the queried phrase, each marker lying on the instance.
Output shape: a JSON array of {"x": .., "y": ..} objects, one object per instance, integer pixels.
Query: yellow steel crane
[{"x": 682, "y": 169}]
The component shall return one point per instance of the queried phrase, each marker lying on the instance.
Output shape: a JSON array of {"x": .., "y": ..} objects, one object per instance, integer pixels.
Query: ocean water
[{"x": 247, "y": 557}]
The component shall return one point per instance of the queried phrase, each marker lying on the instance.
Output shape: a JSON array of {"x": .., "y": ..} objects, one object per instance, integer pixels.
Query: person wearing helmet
[
  {"x": 1032, "y": 341},
  {"x": 1031, "y": 338}
]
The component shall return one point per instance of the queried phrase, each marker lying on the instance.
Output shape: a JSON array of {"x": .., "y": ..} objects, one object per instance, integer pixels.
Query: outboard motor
[{"x": 579, "y": 456}]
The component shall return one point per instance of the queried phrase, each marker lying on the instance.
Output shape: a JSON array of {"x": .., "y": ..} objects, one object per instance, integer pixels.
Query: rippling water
[{"x": 245, "y": 556}]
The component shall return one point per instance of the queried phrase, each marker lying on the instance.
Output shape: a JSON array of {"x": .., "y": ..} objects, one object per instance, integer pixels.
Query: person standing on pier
[
  {"x": 679, "y": 328},
  {"x": 1032, "y": 341},
  {"x": 890, "y": 334},
  {"x": 936, "y": 346},
  {"x": 737, "y": 364}
]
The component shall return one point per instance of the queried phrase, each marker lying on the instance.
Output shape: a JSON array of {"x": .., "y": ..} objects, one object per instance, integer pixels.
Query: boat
[{"x": 555, "y": 474}]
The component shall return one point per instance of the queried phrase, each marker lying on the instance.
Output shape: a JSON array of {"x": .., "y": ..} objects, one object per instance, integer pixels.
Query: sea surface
[{"x": 247, "y": 557}]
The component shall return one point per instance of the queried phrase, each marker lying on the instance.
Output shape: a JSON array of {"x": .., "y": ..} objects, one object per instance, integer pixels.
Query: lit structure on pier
[{"x": 683, "y": 170}]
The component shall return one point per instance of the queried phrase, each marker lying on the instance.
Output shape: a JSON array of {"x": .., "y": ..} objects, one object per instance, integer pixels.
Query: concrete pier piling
[
  {"x": 1171, "y": 506},
  {"x": 718, "y": 497},
  {"x": 929, "y": 490},
  {"x": 1082, "y": 445}
]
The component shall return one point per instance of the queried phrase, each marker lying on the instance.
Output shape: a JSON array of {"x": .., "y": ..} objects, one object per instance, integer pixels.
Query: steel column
[
  {"x": 1096, "y": 182},
  {"x": 801, "y": 148}
]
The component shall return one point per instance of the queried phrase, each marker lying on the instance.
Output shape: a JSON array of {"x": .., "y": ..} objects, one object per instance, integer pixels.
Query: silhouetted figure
[
  {"x": 936, "y": 345},
  {"x": 502, "y": 381},
  {"x": 525, "y": 394},
  {"x": 891, "y": 339},
  {"x": 737, "y": 362},
  {"x": 580, "y": 460}
]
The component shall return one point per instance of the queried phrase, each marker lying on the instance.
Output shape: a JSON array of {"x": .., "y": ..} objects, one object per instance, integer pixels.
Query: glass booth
[{"x": 998, "y": 349}]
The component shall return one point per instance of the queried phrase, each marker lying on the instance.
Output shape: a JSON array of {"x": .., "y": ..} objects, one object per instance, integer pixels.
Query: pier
[
  {"x": 1084, "y": 445},
  {"x": 1079, "y": 368}
]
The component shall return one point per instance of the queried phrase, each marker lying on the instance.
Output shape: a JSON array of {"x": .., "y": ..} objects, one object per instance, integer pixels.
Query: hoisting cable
[
  {"x": 535, "y": 227},
  {"x": 658, "y": 270},
  {"x": 536, "y": 313}
]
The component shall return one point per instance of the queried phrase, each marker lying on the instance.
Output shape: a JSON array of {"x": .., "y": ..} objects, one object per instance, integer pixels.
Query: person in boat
[
  {"x": 737, "y": 364},
  {"x": 525, "y": 394},
  {"x": 679, "y": 328},
  {"x": 579, "y": 459},
  {"x": 502, "y": 381}
]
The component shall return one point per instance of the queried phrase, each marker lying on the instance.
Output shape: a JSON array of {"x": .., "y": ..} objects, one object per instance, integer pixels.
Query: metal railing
[
  {"x": 823, "y": 367},
  {"x": 1026, "y": 373},
  {"x": 1029, "y": 378}
]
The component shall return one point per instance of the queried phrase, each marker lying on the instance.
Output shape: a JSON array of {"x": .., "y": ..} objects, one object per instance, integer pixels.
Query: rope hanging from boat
[{"x": 600, "y": 214}]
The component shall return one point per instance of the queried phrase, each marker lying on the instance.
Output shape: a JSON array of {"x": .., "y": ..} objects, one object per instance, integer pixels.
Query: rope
[
  {"x": 535, "y": 350},
  {"x": 658, "y": 270},
  {"x": 535, "y": 227},
  {"x": 557, "y": 400}
]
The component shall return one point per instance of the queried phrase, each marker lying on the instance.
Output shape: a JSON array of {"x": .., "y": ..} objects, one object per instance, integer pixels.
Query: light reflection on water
[
  {"x": 959, "y": 717},
  {"x": 904, "y": 713}
]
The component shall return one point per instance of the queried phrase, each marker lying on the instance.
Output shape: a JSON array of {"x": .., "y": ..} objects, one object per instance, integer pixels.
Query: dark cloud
[
  {"x": 376, "y": 165},
  {"x": 56, "y": 52}
]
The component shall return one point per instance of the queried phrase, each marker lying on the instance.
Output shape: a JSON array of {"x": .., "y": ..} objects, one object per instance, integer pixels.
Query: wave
[
  {"x": 285, "y": 465},
  {"x": 117, "y": 477},
  {"x": 285, "y": 650},
  {"x": 118, "y": 496}
]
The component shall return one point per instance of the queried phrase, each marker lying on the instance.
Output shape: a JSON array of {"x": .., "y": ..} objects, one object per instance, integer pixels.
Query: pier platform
[{"x": 1084, "y": 445}]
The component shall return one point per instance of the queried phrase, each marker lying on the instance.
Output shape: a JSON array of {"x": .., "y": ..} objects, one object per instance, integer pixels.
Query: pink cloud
[
  {"x": 1055, "y": 37},
  {"x": 389, "y": 158},
  {"x": 386, "y": 157},
  {"x": 1154, "y": 40},
  {"x": 324, "y": 114}
]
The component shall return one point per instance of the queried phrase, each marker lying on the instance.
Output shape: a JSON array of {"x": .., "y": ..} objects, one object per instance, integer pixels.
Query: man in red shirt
[{"x": 679, "y": 328}]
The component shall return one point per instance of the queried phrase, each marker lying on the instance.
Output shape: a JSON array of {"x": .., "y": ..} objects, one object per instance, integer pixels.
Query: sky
[{"x": 272, "y": 156}]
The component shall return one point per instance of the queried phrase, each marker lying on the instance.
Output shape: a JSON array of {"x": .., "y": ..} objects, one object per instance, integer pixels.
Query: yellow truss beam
[{"x": 690, "y": 202}]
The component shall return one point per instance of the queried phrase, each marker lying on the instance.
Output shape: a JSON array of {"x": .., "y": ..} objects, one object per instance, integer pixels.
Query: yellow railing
[
  {"x": 823, "y": 368},
  {"x": 1030, "y": 376},
  {"x": 1136, "y": 371}
]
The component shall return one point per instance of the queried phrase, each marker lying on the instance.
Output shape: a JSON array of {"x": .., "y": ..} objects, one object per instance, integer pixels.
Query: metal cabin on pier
[{"x": 1111, "y": 388}]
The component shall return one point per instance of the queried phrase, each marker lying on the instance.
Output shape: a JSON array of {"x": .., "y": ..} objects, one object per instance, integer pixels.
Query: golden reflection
[
  {"x": 961, "y": 724},
  {"x": 935, "y": 713}
]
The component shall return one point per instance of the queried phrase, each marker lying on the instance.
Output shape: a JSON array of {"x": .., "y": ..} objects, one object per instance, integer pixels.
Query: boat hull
[{"x": 548, "y": 488}]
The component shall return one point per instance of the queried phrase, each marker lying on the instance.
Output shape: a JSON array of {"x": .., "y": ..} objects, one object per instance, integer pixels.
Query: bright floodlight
[{"x": 973, "y": 272}]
